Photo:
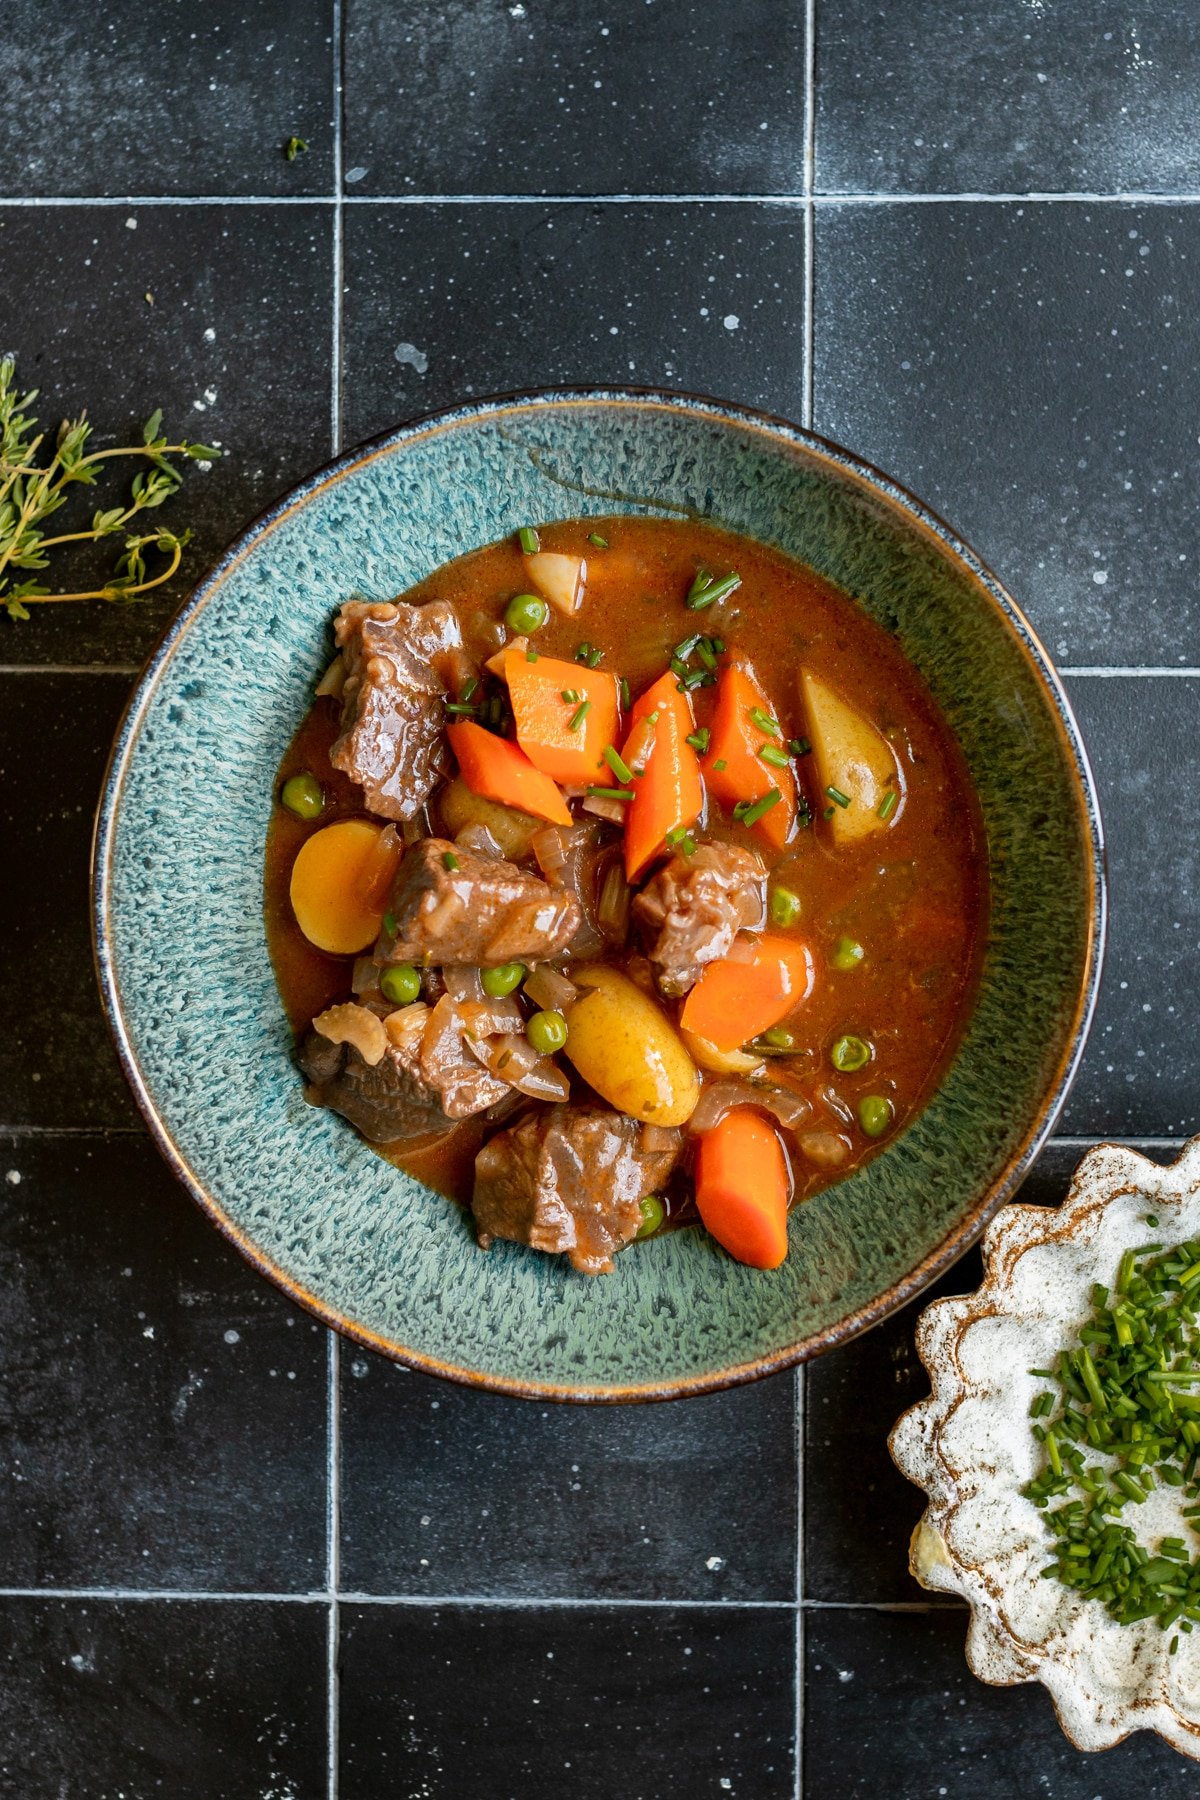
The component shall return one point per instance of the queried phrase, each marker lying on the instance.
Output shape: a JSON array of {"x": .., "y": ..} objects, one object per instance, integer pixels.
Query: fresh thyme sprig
[{"x": 30, "y": 491}]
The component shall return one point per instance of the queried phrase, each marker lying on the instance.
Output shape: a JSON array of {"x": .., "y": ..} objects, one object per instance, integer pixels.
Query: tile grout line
[
  {"x": 864, "y": 198},
  {"x": 496, "y": 1602}
]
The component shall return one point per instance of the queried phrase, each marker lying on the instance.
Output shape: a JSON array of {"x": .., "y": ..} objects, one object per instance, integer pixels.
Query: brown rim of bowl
[{"x": 897, "y": 497}]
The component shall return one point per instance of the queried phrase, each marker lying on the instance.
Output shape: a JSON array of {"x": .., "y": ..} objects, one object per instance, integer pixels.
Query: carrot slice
[
  {"x": 566, "y": 739},
  {"x": 733, "y": 769},
  {"x": 669, "y": 796},
  {"x": 500, "y": 770},
  {"x": 733, "y": 1001},
  {"x": 742, "y": 1188}
]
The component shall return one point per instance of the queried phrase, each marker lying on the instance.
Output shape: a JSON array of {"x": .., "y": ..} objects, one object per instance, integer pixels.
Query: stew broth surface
[{"x": 913, "y": 895}]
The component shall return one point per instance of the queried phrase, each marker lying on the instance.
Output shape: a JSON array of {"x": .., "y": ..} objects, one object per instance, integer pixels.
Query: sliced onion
[
  {"x": 334, "y": 678},
  {"x": 742, "y": 950},
  {"x": 611, "y": 811},
  {"x": 462, "y": 982},
  {"x": 365, "y": 979},
  {"x": 825, "y": 1149},
  {"x": 513, "y": 1059},
  {"x": 477, "y": 838},
  {"x": 721, "y": 1097},
  {"x": 566, "y": 857},
  {"x": 550, "y": 850},
  {"x": 658, "y": 1139},
  {"x": 550, "y": 989}
]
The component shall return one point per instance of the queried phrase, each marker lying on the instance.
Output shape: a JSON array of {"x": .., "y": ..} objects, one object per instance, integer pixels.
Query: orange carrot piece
[
  {"x": 733, "y": 1001},
  {"x": 670, "y": 795},
  {"x": 734, "y": 742},
  {"x": 543, "y": 717},
  {"x": 500, "y": 770},
  {"x": 742, "y": 1188}
]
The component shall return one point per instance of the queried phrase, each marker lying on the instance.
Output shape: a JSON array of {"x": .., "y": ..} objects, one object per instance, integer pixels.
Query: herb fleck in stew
[{"x": 623, "y": 875}]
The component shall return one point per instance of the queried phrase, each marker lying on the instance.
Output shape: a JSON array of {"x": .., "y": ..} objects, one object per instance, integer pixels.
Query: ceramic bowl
[
  {"x": 190, "y": 993},
  {"x": 970, "y": 1448}
]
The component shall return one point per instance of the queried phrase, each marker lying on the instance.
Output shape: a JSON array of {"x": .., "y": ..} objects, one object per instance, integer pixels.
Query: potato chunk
[{"x": 854, "y": 759}]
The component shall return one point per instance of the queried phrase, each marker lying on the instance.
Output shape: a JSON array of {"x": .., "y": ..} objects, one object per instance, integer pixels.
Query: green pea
[
  {"x": 501, "y": 981},
  {"x": 653, "y": 1214},
  {"x": 526, "y": 613},
  {"x": 784, "y": 906},
  {"x": 875, "y": 1114},
  {"x": 850, "y": 1053},
  {"x": 547, "y": 1032},
  {"x": 779, "y": 1038},
  {"x": 848, "y": 954},
  {"x": 302, "y": 795},
  {"x": 400, "y": 984}
]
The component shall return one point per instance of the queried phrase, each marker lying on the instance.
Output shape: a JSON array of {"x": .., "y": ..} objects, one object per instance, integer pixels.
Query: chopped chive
[
  {"x": 699, "y": 740},
  {"x": 707, "y": 593},
  {"x": 624, "y": 686},
  {"x": 450, "y": 861},
  {"x": 588, "y": 653},
  {"x": 720, "y": 766},
  {"x": 469, "y": 688},
  {"x": 389, "y": 923},
  {"x": 718, "y": 645},
  {"x": 652, "y": 718},
  {"x": 579, "y": 715},
  {"x": 799, "y": 746},
  {"x": 837, "y": 796},
  {"x": 528, "y": 539},
  {"x": 750, "y": 812},
  {"x": 684, "y": 648},
  {"x": 531, "y": 654},
  {"x": 778, "y": 759},
  {"x": 764, "y": 721},
  {"x": 610, "y": 793},
  {"x": 887, "y": 805},
  {"x": 572, "y": 696},
  {"x": 828, "y": 813},
  {"x": 704, "y": 652},
  {"x": 1151, "y": 1220},
  {"x": 594, "y": 537},
  {"x": 620, "y": 769},
  {"x": 459, "y": 706}
]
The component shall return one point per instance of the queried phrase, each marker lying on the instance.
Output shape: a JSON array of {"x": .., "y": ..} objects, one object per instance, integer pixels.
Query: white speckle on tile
[
  {"x": 731, "y": 321},
  {"x": 354, "y": 175},
  {"x": 415, "y": 359},
  {"x": 149, "y": 1331},
  {"x": 233, "y": 1337},
  {"x": 845, "y": 1674},
  {"x": 1099, "y": 576},
  {"x": 714, "y": 1563},
  {"x": 131, "y": 223},
  {"x": 13, "y": 1178}
]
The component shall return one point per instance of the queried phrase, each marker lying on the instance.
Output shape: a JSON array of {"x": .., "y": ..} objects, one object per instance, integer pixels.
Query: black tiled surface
[
  {"x": 707, "y": 298},
  {"x": 1139, "y": 1071},
  {"x": 1027, "y": 370},
  {"x": 166, "y": 99},
  {"x": 648, "y": 1704},
  {"x": 890, "y": 1708},
  {"x": 235, "y": 347},
  {"x": 162, "y": 1410},
  {"x": 937, "y": 97},
  {"x": 57, "y": 1063},
  {"x": 198, "y": 1700},
  {"x": 486, "y": 97},
  {"x": 496, "y": 1496}
]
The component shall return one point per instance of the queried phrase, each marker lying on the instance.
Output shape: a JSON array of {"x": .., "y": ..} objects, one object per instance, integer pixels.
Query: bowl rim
[{"x": 899, "y": 499}]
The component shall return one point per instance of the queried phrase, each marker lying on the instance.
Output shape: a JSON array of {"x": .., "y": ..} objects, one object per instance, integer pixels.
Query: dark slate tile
[
  {"x": 193, "y": 1699},
  {"x": 648, "y": 1703},
  {"x": 942, "y": 98},
  {"x": 169, "y": 99},
  {"x": 483, "y": 97},
  {"x": 859, "y": 1511},
  {"x": 891, "y": 1708},
  {"x": 450, "y": 1491},
  {"x": 235, "y": 346},
  {"x": 447, "y": 301},
  {"x": 1139, "y": 1072},
  {"x": 57, "y": 1064},
  {"x": 162, "y": 1408},
  {"x": 1027, "y": 370}
]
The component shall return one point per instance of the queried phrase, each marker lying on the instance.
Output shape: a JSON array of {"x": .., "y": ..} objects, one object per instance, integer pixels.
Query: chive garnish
[
  {"x": 572, "y": 696},
  {"x": 389, "y": 923},
  {"x": 449, "y": 861},
  {"x": 887, "y": 805},
  {"x": 751, "y": 811},
  {"x": 704, "y": 591},
  {"x": 531, "y": 654},
  {"x": 837, "y": 796},
  {"x": 720, "y": 765},
  {"x": 620, "y": 769},
  {"x": 459, "y": 706},
  {"x": 799, "y": 746},
  {"x": 764, "y": 721},
  {"x": 704, "y": 652},
  {"x": 579, "y": 715},
  {"x": 685, "y": 647},
  {"x": 699, "y": 740},
  {"x": 697, "y": 678},
  {"x": 610, "y": 793},
  {"x": 594, "y": 537},
  {"x": 588, "y": 653},
  {"x": 681, "y": 839},
  {"x": 778, "y": 759},
  {"x": 624, "y": 686},
  {"x": 718, "y": 645},
  {"x": 469, "y": 688},
  {"x": 528, "y": 539}
]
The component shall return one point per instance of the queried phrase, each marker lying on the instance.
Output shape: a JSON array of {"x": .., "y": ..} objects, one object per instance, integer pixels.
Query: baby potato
[
  {"x": 512, "y": 830},
  {"x": 340, "y": 881},
  {"x": 627, "y": 1049}
]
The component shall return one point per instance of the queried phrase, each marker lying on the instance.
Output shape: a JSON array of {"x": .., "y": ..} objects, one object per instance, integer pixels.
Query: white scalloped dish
[{"x": 969, "y": 1446}]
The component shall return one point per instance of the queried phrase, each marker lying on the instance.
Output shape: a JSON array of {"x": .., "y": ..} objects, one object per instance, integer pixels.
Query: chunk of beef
[
  {"x": 694, "y": 908},
  {"x": 569, "y": 1180},
  {"x": 481, "y": 911},
  {"x": 397, "y": 658},
  {"x": 421, "y": 1078}
]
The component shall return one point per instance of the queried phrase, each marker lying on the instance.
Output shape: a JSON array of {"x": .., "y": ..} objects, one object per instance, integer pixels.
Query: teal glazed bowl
[{"x": 182, "y": 953}]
